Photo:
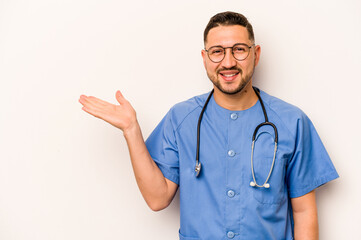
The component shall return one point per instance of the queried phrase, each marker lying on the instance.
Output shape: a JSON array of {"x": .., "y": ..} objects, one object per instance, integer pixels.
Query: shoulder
[
  {"x": 280, "y": 106},
  {"x": 289, "y": 115},
  {"x": 180, "y": 111}
]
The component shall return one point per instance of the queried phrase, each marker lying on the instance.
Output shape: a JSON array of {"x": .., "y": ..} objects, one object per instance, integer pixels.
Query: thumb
[{"x": 119, "y": 96}]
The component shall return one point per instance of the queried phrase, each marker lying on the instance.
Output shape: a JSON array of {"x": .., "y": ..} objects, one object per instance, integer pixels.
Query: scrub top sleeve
[
  {"x": 310, "y": 166},
  {"x": 163, "y": 149}
]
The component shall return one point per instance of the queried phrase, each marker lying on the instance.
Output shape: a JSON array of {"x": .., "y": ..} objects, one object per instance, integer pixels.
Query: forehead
[{"x": 227, "y": 36}]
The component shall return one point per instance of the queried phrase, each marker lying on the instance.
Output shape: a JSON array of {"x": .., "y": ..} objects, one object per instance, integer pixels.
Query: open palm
[{"x": 122, "y": 116}]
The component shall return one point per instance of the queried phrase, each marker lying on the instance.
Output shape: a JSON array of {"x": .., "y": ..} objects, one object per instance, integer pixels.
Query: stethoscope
[{"x": 265, "y": 123}]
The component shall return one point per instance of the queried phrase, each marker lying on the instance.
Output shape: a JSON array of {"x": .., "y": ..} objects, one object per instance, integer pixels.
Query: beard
[{"x": 244, "y": 81}]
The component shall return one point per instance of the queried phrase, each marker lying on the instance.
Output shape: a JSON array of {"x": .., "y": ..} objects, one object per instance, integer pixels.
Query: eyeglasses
[{"x": 240, "y": 51}]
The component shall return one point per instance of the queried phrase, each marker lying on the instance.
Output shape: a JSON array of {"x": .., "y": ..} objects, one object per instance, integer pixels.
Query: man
[{"x": 241, "y": 190}]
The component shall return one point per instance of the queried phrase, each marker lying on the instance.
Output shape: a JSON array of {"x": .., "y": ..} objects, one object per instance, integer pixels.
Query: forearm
[
  {"x": 305, "y": 217},
  {"x": 306, "y": 226},
  {"x": 151, "y": 182}
]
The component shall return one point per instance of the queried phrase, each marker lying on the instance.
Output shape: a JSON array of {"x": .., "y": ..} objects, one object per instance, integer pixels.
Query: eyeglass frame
[{"x": 224, "y": 49}]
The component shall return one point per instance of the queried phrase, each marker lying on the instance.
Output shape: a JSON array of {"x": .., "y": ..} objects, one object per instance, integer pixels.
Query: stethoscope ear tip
[{"x": 253, "y": 184}]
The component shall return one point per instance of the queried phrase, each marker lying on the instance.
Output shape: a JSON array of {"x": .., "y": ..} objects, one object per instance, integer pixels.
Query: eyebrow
[{"x": 226, "y": 47}]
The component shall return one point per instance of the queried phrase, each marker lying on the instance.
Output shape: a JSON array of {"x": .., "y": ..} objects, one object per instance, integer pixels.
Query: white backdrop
[{"x": 67, "y": 175}]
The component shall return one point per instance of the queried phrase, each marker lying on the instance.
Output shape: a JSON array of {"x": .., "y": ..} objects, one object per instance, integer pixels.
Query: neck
[{"x": 236, "y": 102}]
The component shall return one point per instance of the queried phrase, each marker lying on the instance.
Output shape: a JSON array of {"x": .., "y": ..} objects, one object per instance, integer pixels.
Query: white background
[{"x": 67, "y": 175}]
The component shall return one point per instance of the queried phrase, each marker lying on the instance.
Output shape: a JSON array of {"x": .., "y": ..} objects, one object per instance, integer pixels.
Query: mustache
[{"x": 232, "y": 68}]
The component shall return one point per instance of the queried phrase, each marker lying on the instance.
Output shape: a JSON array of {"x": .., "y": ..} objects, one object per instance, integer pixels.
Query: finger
[
  {"x": 120, "y": 98},
  {"x": 90, "y": 106},
  {"x": 94, "y": 102},
  {"x": 92, "y": 99},
  {"x": 82, "y": 99},
  {"x": 87, "y": 103},
  {"x": 97, "y": 100},
  {"x": 90, "y": 111},
  {"x": 99, "y": 113}
]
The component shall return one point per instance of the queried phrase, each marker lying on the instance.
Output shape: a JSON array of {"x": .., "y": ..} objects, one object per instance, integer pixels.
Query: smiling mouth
[{"x": 229, "y": 76}]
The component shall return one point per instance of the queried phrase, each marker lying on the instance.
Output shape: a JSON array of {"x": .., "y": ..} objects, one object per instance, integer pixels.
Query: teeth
[{"x": 229, "y": 75}]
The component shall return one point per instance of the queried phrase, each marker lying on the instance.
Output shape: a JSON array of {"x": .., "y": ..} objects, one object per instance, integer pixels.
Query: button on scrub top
[{"x": 220, "y": 203}]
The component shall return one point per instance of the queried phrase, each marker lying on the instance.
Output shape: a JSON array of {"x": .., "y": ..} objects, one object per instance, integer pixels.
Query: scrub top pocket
[
  {"x": 262, "y": 163},
  {"x": 275, "y": 194}
]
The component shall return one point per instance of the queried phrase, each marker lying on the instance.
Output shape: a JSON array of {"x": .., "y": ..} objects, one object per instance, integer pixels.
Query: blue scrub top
[{"x": 220, "y": 203}]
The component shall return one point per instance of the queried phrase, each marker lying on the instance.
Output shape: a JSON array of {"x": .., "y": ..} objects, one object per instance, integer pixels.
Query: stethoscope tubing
[{"x": 198, "y": 164}]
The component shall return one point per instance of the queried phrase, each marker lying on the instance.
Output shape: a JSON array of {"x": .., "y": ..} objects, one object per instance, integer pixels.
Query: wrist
[{"x": 132, "y": 130}]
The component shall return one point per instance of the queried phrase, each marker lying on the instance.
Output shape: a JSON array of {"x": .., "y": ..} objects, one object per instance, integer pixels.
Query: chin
[{"x": 232, "y": 90}]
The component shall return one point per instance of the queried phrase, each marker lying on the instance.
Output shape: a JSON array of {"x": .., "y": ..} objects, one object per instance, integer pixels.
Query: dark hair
[{"x": 228, "y": 19}]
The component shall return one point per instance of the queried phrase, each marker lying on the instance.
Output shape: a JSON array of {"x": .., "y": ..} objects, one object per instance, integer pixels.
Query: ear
[
  {"x": 204, "y": 56},
  {"x": 257, "y": 52}
]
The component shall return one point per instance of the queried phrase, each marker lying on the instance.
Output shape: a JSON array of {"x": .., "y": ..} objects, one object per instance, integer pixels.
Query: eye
[
  {"x": 239, "y": 49},
  {"x": 216, "y": 51}
]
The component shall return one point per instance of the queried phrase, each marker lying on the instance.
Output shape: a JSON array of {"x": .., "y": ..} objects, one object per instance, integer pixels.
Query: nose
[{"x": 229, "y": 61}]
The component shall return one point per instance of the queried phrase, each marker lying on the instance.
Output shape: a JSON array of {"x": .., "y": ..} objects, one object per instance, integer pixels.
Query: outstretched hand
[{"x": 122, "y": 116}]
